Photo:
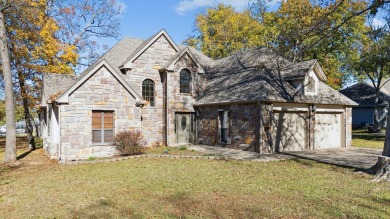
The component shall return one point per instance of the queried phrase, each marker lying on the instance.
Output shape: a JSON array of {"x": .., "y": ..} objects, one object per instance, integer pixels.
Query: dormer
[
  {"x": 305, "y": 77},
  {"x": 310, "y": 83}
]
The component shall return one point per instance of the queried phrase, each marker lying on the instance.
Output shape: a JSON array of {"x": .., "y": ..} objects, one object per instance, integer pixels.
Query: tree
[
  {"x": 223, "y": 31},
  {"x": 81, "y": 22},
  {"x": 373, "y": 62},
  {"x": 34, "y": 49},
  {"x": 2, "y": 111},
  {"x": 304, "y": 23},
  {"x": 298, "y": 29},
  {"x": 382, "y": 168},
  {"x": 47, "y": 37},
  {"x": 10, "y": 144}
]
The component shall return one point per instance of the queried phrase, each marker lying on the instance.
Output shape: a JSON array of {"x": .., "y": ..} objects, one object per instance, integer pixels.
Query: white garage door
[
  {"x": 289, "y": 131},
  {"x": 327, "y": 130}
]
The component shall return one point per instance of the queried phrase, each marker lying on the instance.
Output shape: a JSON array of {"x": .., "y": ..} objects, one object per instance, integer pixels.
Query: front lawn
[
  {"x": 363, "y": 139},
  {"x": 192, "y": 188}
]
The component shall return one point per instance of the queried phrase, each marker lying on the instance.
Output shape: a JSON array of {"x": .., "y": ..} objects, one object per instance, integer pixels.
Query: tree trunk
[
  {"x": 10, "y": 145},
  {"x": 382, "y": 168},
  {"x": 386, "y": 148},
  {"x": 26, "y": 108},
  {"x": 376, "y": 114}
]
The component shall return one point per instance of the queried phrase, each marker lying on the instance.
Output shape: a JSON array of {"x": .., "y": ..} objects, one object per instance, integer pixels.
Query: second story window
[
  {"x": 185, "y": 81},
  {"x": 148, "y": 91}
]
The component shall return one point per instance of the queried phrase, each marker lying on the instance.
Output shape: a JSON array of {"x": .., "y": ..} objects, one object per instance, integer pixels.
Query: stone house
[
  {"x": 364, "y": 95},
  {"x": 176, "y": 95}
]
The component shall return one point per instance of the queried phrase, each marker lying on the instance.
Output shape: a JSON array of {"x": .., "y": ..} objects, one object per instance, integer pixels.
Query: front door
[{"x": 184, "y": 127}]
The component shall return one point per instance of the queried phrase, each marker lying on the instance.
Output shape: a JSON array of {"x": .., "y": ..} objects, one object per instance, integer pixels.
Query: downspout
[
  {"x": 260, "y": 140},
  {"x": 59, "y": 125},
  {"x": 165, "y": 108}
]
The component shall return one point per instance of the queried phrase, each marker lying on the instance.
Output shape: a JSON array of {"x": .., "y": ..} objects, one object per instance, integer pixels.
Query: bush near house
[{"x": 129, "y": 142}]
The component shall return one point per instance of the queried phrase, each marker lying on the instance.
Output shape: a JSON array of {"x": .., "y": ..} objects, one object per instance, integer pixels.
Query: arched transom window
[
  {"x": 185, "y": 81},
  {"x": 148, "y": 91}
]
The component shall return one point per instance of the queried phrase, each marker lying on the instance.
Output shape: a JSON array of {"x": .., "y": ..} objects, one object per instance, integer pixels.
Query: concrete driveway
[{"x": 360, "y": 158}]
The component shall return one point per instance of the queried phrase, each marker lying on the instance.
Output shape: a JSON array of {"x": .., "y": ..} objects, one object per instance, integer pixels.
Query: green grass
[
  {"x": 191, "y": 188},
  {"x": 360, "y": 138},
  {"x": 182, "y": 150}
]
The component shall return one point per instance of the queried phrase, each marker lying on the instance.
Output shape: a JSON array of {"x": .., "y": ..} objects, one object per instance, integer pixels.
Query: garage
[
  {"x": 289, "y": 131},
  {"x": 327, "y": 130}
]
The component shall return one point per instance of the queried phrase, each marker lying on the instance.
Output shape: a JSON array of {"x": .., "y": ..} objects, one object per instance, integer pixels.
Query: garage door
[
  {"x": 327, "y": 131},
  {"x": 289, "y": 131}
]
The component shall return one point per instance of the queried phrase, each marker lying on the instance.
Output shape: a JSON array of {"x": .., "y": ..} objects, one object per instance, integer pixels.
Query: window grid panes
[
  {"x": 102, "y": 126},
  {"x": 185, "y": 81},
  {"x": 148, "y": 91}
]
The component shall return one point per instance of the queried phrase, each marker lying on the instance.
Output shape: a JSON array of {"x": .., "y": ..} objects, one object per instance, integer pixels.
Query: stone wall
[
  {"x": 100, "y": 92},
  {"x": 242, "y": 121},
  {"x": 146, "y": 67},
  {"x": 348, "y": 127},
  {"x": 178, "y": 102}
]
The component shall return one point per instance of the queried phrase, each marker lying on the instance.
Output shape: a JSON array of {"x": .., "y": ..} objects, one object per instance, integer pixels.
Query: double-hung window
[{"x": 102, "y": 126}]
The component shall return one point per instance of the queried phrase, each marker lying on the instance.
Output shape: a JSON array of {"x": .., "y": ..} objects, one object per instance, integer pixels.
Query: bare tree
[{"x": 82, "y": 22}]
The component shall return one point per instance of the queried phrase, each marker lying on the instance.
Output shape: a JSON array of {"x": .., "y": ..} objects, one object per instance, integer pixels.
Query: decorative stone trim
[{"x": 140, "y": 156}]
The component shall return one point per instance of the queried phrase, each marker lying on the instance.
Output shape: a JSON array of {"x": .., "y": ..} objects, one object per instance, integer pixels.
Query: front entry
[{"x": 185, "y": 128}]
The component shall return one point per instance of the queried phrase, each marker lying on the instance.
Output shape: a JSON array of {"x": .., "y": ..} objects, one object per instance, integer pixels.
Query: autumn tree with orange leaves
[{"x": 46, "y": 37}]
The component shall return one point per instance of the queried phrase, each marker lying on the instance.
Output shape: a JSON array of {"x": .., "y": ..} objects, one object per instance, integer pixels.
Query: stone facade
[
  {"x": 216, "y": 101},
  {"x": 243, "y": 125},
  {"x": 348, "y": 127},
  {"x": 181, "y": 102},
  {"x": 146, "y": 67},
  {"x": 268, "y": 129},
  {"x": 100, "y": 92}
]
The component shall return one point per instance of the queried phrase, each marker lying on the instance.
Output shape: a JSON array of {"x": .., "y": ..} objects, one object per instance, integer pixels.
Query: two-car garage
[{"x": 292, "y": 126}]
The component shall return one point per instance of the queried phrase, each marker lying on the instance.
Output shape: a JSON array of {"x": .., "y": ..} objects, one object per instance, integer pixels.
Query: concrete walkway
[
  {"x": 360, "y": 158},
  {"x": 236, "y": 154}
]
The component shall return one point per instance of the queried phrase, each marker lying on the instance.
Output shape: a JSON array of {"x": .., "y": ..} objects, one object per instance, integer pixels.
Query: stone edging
[{"x": 108, "y": 160}]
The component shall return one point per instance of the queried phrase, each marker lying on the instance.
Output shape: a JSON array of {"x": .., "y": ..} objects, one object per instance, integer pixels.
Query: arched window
[
  {"x": 185, "y": 81},
  {"x": 148, "y": 91}
]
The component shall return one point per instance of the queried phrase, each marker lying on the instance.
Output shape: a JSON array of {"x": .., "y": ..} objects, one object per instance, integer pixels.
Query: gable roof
[
  {"x": 55, "y": 84},
  {"x": 58, "y": 84},
  {"x": 258, "y": 75},
  {"x": 64, "y": 98},
  {"x": 118, "y": 53},
  {"x": 364, "y": 94},
  {"x": 300, "y": 69},
  {"x": 170, "y": 64},
  {"x": 127, "y": 63},
  {"x": 386, "y": 85}
]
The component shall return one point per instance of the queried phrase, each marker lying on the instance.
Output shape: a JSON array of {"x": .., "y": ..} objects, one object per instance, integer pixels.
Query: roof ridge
[{"x": 140, "y": 47}]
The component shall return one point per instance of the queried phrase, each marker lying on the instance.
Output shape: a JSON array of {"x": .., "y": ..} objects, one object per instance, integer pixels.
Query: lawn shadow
[
  {"x": 339, "y": 162},
  {"x": 103, "y": 208},
  {"x": 25, "y": 154}
]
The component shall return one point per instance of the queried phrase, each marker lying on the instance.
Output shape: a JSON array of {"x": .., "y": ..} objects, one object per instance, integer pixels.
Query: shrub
[
  {"x": 129, "y": 142},
  {"x": 182, "y": 148},
  {"x": 38, "y": 142}
]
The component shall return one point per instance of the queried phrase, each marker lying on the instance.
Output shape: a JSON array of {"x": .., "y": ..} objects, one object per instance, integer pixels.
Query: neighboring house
[
  {"x": 177, "y": 95},
  {"x": 364, "y": 94}
]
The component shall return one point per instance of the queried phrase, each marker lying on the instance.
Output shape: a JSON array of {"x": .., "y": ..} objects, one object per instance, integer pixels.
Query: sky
[{"x": 142, "y": 19}]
